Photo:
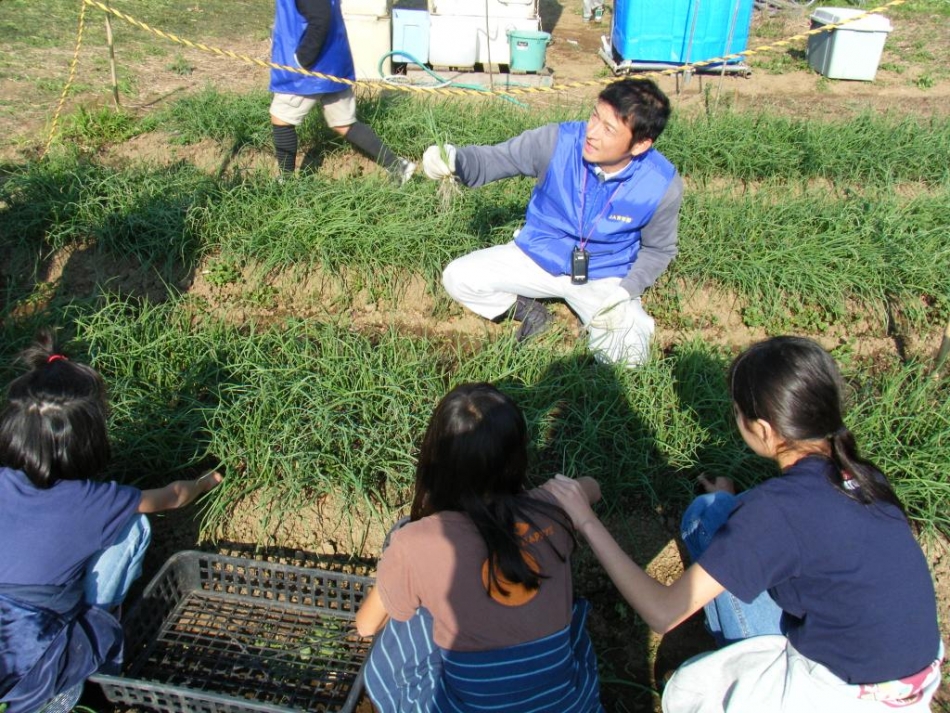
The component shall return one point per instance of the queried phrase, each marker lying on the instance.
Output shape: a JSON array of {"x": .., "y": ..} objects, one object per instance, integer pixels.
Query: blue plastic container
[
  {"x": 410, "y": 35},
  {"x": 680, "y": 31}
]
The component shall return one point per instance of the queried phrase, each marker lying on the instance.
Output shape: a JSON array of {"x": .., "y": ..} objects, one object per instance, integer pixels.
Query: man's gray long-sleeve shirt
[{"x": 529, "y": 153}]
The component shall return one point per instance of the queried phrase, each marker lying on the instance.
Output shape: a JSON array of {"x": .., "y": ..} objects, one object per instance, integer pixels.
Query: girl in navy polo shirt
[
  {"x": 812, "y": 582},
  {"x": 72, "y": 545}
]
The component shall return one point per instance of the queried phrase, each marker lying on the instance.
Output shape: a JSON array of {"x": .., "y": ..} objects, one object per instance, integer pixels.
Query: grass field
[
  {"x": 834, "y": 228},
  {"x": 813, "y": 236}
]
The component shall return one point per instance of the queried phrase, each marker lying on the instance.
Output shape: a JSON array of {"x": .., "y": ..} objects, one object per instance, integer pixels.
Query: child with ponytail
[
  {"x": 72, "y": 545},
  {"x": 812, "y": 582}
]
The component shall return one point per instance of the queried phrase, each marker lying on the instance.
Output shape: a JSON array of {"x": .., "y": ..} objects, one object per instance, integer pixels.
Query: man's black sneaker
[{"x": 534, "y": 318}]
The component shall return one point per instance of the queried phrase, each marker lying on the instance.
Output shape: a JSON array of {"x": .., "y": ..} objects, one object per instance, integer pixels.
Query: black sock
[
  {"x": 285, "y": 146},
  {"x": 366, "y": 140}
]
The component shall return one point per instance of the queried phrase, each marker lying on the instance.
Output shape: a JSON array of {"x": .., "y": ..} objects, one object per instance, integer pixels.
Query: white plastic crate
[
  {"x": 496, "y": 46},
  {"x": 492, "y": 8},
  {"x": 461, "y": 41},
  {"x": 852, "y": 51},
  {"x": 370, "y": 40},
  {"x": 376, "y": 8},
  {"x": 453, "y": 41}
]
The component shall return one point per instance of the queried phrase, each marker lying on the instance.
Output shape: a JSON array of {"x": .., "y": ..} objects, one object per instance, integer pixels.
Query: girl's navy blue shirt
[{"x": 852, "y": 581}]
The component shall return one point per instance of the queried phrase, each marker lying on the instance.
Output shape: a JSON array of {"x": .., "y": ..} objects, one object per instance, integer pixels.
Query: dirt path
[{"x": 910, "y": 78}]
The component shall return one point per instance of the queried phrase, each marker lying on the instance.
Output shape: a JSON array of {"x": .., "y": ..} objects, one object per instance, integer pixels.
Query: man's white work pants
[{"x": 489, "y": 281}]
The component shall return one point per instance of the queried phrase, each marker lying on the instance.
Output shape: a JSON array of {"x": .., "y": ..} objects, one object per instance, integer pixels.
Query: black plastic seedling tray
[{"x": 216, "y": 634}]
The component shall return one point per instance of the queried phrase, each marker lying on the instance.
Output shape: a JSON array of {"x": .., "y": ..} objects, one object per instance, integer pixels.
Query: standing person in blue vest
[
  {"x": 600, "y": 228},
  {"x": 310, "y": 34}
]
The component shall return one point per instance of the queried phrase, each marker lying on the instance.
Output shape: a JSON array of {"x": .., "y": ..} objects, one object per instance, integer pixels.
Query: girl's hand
[
  {"x": 591, "y": 488},
  {"x": 719, "y": 483},
  {"x": 574, "y": 497},
  {"x": 208, "y": 481},
  {"x": 178, "y": 494}
]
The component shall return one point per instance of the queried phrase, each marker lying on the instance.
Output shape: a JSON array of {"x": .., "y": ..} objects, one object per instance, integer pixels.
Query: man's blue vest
[
  {"x": 335, "y": 58},
  {"x": 572, "y": 202}
]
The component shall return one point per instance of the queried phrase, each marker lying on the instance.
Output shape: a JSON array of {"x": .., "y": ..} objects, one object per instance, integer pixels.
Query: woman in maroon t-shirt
[{"x": 475, "y": 591}]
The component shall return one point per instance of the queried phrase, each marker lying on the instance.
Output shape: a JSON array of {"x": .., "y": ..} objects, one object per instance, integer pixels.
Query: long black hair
[
  {"x": 474, "y": 459},
  {"x": 53, "y": 424},
  {"x": 794, "y": 385}
]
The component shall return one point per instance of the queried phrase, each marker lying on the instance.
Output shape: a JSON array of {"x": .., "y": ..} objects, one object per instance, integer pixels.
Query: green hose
[{"x": 442, "y": 82}]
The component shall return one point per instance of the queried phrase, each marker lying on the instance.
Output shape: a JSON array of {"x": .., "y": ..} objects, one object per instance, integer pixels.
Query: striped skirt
[{"x": 407, "y": 672}]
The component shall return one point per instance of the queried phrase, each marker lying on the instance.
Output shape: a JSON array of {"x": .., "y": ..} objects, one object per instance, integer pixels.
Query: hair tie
[
  {"x": 55, "y": 357},
  {"x": 840, "y": 431}
]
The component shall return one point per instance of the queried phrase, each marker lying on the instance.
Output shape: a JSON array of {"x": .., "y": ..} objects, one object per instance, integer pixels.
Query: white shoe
[{"x": 402, "y": 171}]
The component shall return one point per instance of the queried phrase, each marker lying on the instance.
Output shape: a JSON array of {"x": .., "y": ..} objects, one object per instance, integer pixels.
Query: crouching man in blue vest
[
  {"x": 600, "y": 228},
  {"x": 310, "y": 34}
]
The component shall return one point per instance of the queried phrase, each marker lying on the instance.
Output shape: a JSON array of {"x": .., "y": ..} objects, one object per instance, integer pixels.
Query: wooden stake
[
  {"x": 115, "y": 79},
  {"x": 491, "y": 76}
]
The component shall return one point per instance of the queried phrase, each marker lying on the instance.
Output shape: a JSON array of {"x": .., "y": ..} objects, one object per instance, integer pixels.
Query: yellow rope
[
  {"x": 411, "y": 88},
  {"x": 461, "y": 91},
  {"x": 789, "y": 40},
  {"x": 69, "y": 81}
]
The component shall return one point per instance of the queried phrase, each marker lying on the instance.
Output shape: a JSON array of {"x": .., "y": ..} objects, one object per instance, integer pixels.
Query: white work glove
[
  {"x": 612, "y": 313},
  {"x": 435, "y": 166}
]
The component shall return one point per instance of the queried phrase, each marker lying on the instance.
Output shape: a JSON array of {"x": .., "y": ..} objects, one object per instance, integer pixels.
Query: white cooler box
[
  {"x": 852, "y": 51},
  {"x": 370, "y": 39},
  {"x": 376, "y": 8},
  {"x": 522, "y": 9},
  {"x": 461, "y": 41}
]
